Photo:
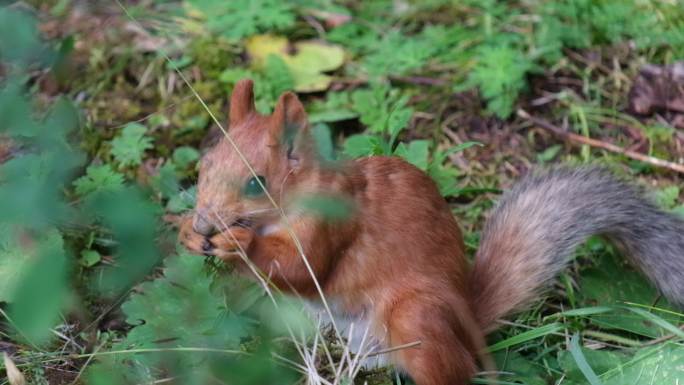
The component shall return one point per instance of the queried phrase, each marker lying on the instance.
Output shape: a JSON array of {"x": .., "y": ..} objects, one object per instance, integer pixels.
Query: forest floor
[{"x": 534, "y": 83}]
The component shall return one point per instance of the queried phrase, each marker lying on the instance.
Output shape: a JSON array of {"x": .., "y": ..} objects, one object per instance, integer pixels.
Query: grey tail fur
[{"x": 539, "y": 223}]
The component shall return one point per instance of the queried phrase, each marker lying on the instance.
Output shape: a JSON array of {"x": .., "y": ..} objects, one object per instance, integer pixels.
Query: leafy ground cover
[{"x": 105, "y": 109}]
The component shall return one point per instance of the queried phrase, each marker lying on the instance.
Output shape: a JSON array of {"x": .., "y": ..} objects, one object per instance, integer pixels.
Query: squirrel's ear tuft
[
  {"x": 289, "y": 120},
  {"x": 241, "y": 101},
  {"x": 290, "y": 110},
  {"x": 288, "y": 117}
]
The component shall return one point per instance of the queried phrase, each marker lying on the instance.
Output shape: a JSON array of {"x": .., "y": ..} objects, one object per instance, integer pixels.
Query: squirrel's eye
[{"x": 253, "y": 188}]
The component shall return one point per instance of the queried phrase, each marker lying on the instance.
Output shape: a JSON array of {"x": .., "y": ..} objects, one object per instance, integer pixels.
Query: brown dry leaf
[
  {"x": 144, "y": 41},
  {"x": 658, "y": 88},
  {"x": 331, "y": 19},
  {"x": 14, "y": 376}
]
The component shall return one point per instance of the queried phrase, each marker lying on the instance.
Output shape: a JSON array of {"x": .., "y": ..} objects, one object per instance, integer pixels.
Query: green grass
[{"x": 105, "y": 137}]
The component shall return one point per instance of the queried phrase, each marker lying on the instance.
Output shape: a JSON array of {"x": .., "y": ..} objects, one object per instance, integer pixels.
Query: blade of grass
[
  {"x": 526, "y": 336},
  {"x": 659, "y": 309},
  {"x": 581, "y": 361},
  {"x": 463, "y": 146},
  {"x": 492, "y": 382},
  {"x": 657, "y": 320},
  {"x": 582, "y": 312}
]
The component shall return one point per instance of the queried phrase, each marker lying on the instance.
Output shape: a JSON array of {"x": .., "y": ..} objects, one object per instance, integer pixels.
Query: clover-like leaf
[
  {"x": 98, "y": 178},
  {"x": 130, "y": 145},
  {"x": 236, "y": 19},
  {"x": 416, "y": 152}
]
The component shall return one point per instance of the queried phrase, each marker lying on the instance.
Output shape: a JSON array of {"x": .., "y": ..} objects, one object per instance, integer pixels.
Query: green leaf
[
  {"x": 178, "y": 305},
  {"x": 130, "y": 145},
  {"x": 667, "y": 197},
  {"x": 186, "y": 307},
  {"x": 278, "y": 76},
  {"x": 417, "y": 152},
  {"x": 611, "y": 283},
  {"x": 14, "y": 261},
  {"x": 398, "y": 54},
  {"x": 136, "y": 251},
  {"x": 166, "y": 181},
  {"x": 549, "y": 154},
  {"x": 183, "y": 200},
  {"x": 178, "y": 309},
  {"x": 361, "y": 145},
  {"x": 445, "y": 177},
  {"x": 658, "y": 365},
  {"x": 269, "y": 82},
  {"x": 397, "y": 120},
  {"x": 45, "y": 277},
  {"x": 16, "y": 112},
  {"x": 500, "y": 75},
  {"x": 323, "y": 140},
  {"x": 25, "y": 47},
  {"x": 236, "y": 19},
  {"x": 336, "y": 107},
  {"x": 516, "y": 369},
  {"x": 90, "y": 258},
  {"x": 382, "y": 109},
  {"x": 98, "y": 178},
  {"x": 183, "y": 156}
]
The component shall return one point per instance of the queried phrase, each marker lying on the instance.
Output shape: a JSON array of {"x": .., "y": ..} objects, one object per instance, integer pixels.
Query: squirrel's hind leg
[{"x": 441, "y": 357}]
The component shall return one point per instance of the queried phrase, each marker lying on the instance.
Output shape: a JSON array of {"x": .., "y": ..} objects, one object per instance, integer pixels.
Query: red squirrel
[{"x": 398, "y": 258}]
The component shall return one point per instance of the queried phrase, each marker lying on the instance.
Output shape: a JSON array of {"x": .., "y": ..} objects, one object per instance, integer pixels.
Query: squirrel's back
[{"x": 538, "y": 224}]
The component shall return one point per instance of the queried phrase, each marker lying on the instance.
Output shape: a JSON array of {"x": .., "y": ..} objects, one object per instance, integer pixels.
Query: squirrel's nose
[{"x": 202, "y": 225}]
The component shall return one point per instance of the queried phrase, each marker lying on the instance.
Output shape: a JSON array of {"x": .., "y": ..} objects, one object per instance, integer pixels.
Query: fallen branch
[{"x": 572, "y": 137}]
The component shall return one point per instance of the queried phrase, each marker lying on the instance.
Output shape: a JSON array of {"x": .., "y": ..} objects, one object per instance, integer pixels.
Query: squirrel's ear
[
  {"x": 241, "y": 101},
  {"x": 289, "y": 120}
]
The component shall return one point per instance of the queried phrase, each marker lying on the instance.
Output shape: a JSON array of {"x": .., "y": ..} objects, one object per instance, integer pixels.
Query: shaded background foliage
[{"x": 99, "y": 139}]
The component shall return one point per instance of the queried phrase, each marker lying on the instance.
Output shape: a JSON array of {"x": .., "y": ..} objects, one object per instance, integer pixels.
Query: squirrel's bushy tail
[{"x": 539, "y": 223}]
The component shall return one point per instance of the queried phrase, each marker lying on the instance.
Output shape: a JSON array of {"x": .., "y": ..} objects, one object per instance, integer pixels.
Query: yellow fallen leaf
[
  {"x": 306, "y": 60},
  {"x": 319, "y": 55},
  {"x": 260, "y": 46}
]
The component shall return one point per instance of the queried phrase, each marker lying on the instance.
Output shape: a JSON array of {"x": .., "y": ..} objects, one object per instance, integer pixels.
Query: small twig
[
  {"x": 611, "y": 337},
  {"x": 661, "y": 339},
  {"x": 572, "y": 137},
  {"x": 85, "y": 365},
  {"x": 597, "y": 64},
  {"x": 451, "y": 134},
  {"x": 420, "y": 80},
  {"x": 395, "y": 348},
  {"x": 315, "y": 25},
  {"x": 456, "y": 158}
]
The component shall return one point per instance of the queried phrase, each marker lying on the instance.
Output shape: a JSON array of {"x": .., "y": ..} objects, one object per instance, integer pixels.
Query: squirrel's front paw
[
  {"x": 228, "y": 244},
  {"x": 194, "y": 242}
]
